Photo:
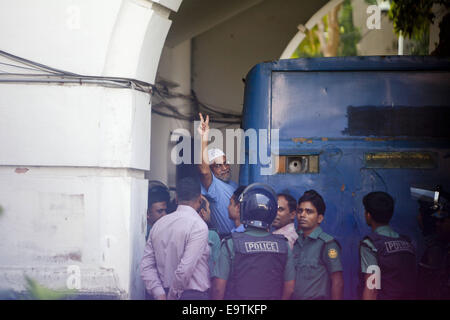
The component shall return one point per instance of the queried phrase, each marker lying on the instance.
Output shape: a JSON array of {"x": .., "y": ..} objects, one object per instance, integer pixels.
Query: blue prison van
[{"x": 348, "y": 126}]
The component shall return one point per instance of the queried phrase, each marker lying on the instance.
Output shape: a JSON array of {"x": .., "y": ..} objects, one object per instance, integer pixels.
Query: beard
[{"x": 226, "y": 177}]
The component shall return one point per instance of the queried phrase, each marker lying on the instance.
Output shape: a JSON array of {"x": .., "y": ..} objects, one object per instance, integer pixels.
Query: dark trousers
[{"x": 192, "y": 294}]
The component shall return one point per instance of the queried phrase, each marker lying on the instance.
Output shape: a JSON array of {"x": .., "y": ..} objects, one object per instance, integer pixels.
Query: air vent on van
[{"x": 298, "y": 164}]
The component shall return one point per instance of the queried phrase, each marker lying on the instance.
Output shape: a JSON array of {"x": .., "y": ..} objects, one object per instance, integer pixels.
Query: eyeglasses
[
  {"x": 307, "y": 210},
  {"x": 217, "y": 166}
]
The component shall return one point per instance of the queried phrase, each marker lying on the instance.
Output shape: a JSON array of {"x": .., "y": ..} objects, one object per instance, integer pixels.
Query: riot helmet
[{"x": 258, "y": 205}]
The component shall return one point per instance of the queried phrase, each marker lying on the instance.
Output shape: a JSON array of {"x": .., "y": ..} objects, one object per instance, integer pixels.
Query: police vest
[
  {"x": 397, "y": 262},
  {"x": 257, "y": 270}
]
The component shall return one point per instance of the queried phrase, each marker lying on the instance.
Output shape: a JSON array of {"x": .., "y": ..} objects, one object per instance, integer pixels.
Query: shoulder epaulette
[
  {"x": 325, "y": 237},
  {"x": 224, "y": 242},
  {"x": 225, "y": 239},
  {"x": 367, "y": 242}
]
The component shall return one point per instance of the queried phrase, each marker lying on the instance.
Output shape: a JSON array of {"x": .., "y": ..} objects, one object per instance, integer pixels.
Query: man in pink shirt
[
  {"x": 175, "y": 261},
  {"x": 284, "y": 221}
]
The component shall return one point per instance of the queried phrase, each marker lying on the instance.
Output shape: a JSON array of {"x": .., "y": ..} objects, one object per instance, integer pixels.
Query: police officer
[
  {"x": 255, "y": 264},
  {"x": 316, "y": 254},
  {"x": 213, "y": 238},
  {"x": 158, "y": 203},
  {"x": 389, "y": 256}
]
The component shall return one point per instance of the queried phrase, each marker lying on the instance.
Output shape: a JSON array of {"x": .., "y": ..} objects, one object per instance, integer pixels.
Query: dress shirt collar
[
  {"x": 287, "y": 228},
  {"x": 381, "y": 229},
  {"x": 187, "y": 209}
]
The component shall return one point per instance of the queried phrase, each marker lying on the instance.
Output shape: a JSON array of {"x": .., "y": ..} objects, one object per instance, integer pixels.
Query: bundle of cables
[
  {"x": 14, "y": 69},
  {"x": 168, "y": 104}
]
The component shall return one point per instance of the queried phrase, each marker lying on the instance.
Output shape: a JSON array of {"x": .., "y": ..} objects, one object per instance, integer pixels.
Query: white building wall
[
  {"x": 73, "y": 158},
  {"x": 228, "y": 40},
  {"x": 175, "y": 65},
  {"x": 222, "y": 56},
  {"x": 60, "y": 217},
  {"x": 121, "y": 38},
  {"x": 48, "y": 125}
]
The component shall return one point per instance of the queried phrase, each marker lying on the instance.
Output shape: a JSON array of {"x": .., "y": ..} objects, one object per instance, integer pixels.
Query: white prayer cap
[{"x": 214, "y": 153}]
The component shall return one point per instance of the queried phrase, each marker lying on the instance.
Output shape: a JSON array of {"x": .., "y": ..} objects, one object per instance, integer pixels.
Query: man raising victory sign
[{"x": 215, "y": 175}]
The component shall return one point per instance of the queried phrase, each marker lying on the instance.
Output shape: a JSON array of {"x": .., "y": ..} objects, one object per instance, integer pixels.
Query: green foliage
[
  {"x": 420, "y": 42},
  {"x": 350, "y": 35},
  {"x": 412, "y": 17},
  {"x": 39, "y": 292},
  {"x": 1, "y": 210},
  {"x": 309, "y": 47}
]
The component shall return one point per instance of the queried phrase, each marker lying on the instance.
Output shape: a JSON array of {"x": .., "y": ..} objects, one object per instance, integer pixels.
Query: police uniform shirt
[
  {"x": 316, "y": 257},
  {"x": 223, "y": 266},
  {"x": 368, "y": 252},
  {"x": 214, "y": 246}
]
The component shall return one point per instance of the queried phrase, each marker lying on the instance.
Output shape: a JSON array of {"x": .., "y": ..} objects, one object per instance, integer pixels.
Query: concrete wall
[
  {"x": 73, "y": 157},
  {"x": 374, "y": 42},
  {"x": 56, "y": 218},
  {"x": 228, "y": 40},
  {"x": 175, "y": 66},
  {"x": 47, "y": 125},
  {"x": 222, "y": 56}
]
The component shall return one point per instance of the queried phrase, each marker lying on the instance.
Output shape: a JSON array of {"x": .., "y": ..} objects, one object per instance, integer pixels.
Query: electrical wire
[
  {"x": 33, "y": 63},
  {"x": 225, "y": 114},
  {"x": 191, "y": 117},
  {"x": 52, "y": 75},
  {"x": 222, "y": 117},
  {"x": 163, "y": 91},
  {"x": 17, "y": 66}
]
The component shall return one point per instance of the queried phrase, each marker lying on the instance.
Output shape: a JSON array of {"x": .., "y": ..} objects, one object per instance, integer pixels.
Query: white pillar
[
  {"x": 175, "y": 66},
  {"x": 400, "y": 44},
  {"x": 73, "y": 157}
]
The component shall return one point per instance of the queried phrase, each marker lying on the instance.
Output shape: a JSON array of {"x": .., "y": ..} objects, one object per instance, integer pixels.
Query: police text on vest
[
  {"x": 397, "y": 246},
  {"x": 261, "y": 246}
]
